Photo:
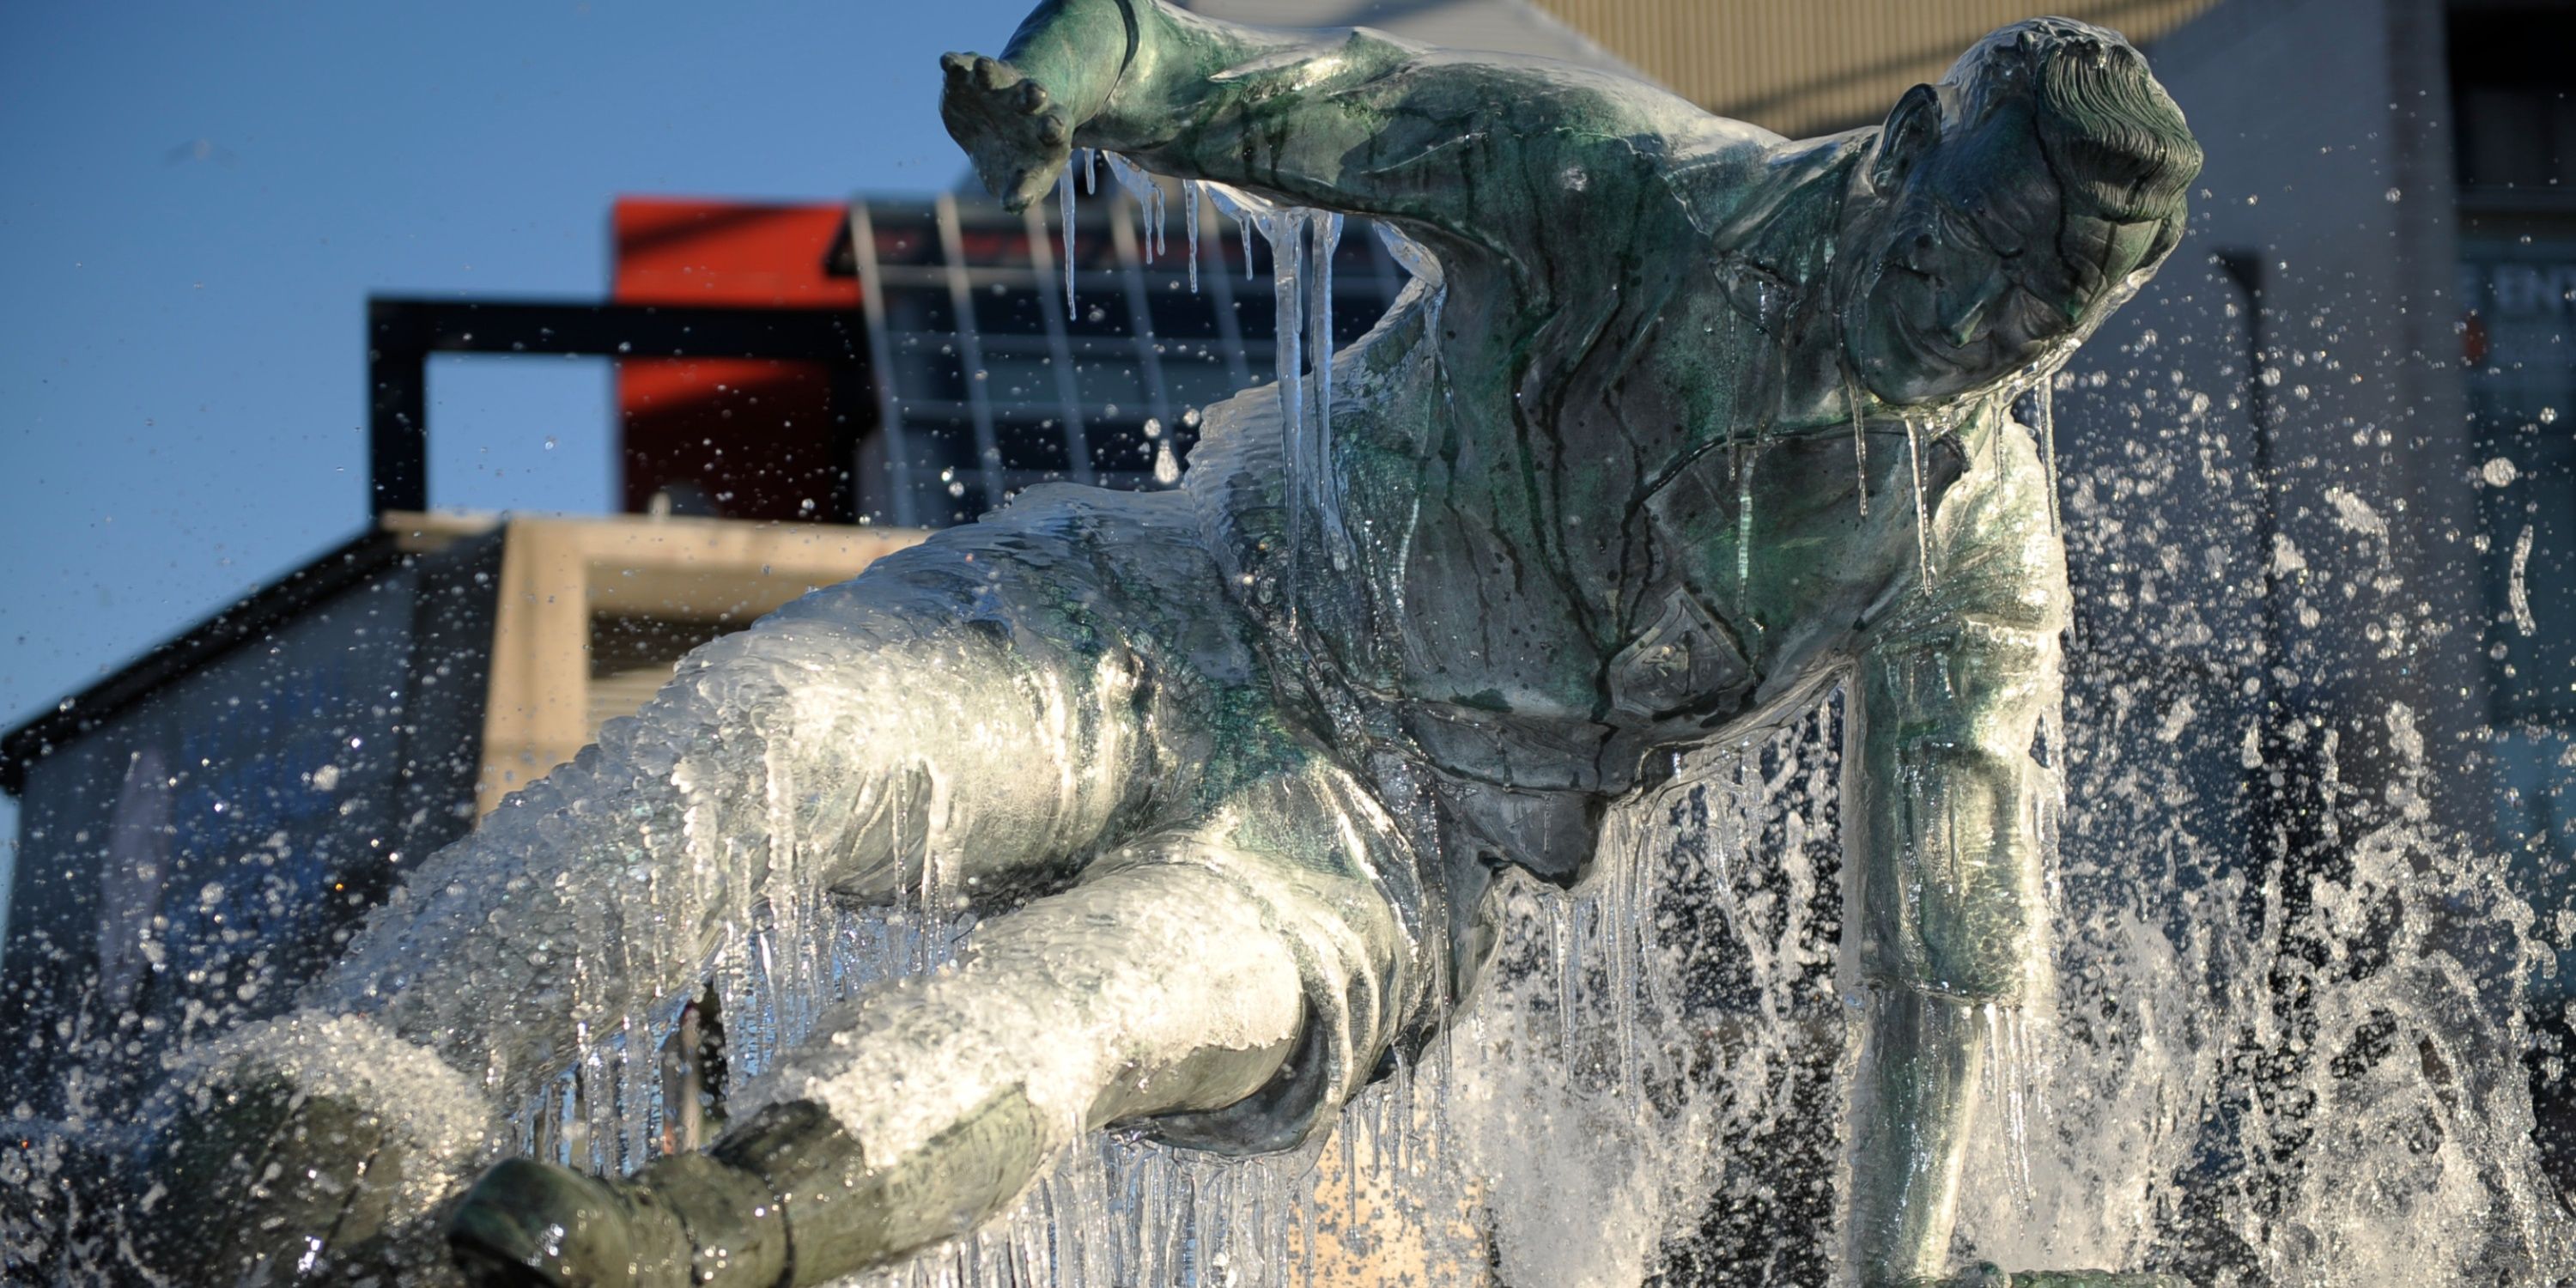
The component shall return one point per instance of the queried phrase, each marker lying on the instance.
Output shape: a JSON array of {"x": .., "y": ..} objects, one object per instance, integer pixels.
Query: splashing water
[
  {"x": 2518, "y": 583},
  {"x": 2290, "y": 1060}
]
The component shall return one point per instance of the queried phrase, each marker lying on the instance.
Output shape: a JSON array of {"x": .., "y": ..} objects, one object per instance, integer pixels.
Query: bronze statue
[{"x": 1681, "y": 424}]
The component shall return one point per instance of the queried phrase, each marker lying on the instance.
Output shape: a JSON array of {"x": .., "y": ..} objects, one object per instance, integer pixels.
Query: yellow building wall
[{"x": 1810, "y": 67}]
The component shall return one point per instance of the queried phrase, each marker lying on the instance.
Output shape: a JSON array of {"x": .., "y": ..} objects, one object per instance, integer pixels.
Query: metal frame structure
[
  {"x": 403, "y": 333},
  {"x": 991, "y": 385}
]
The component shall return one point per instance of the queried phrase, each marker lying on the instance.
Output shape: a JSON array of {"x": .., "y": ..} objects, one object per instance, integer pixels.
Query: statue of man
[{"x": 1683, "y": 424}]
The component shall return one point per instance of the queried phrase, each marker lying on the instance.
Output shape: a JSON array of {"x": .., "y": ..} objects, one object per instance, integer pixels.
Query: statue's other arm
[
  {"x": 1947, "y": 850},
  {"x": 1474, "y": 150}
]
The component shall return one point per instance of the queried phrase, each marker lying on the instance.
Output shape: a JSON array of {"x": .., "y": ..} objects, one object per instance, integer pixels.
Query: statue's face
[{"x": 1981, "y": 265}]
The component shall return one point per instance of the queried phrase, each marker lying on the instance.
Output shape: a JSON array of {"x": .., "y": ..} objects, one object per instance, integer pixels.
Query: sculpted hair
[{"x": 2114, "y": 138}]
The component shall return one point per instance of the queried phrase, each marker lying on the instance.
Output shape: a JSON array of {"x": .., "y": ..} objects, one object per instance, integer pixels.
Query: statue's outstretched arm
[
  {"x": 1476, "y": 150},
  {"x": 1948, "y": 797}
]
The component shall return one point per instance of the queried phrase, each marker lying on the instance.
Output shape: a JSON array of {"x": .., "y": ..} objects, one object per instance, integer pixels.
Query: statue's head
[{"x": 2017, "y": 202}]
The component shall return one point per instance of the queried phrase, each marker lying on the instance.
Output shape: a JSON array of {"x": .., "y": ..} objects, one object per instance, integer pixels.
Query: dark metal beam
[{"x": 402, "y": 333}]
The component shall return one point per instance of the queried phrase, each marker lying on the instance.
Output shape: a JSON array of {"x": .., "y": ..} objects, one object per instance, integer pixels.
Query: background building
[
  {"x": 2320, "y": 490},
  {"x": 801, "y": 388}
]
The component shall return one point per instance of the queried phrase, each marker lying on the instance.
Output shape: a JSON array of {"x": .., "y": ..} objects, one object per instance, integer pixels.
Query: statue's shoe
[
  {"x": 267, "y": 1184},
  {"x": 307, "y": 1149},
  {"x": 724, "y": 1218},
  {"x": 685, "y": 1220}
]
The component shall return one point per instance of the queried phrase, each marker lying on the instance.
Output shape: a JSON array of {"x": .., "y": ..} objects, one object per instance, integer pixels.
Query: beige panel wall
[
  {"x": 1808, "y": 67},
  {"x": 558, "y": 574}
]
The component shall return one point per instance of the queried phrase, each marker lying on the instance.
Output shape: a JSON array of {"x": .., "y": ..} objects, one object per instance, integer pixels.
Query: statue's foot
[
  {"x": 269, "y": 1181},
  {"x": 528, "y": 1223},
  {"x": 723, "y": 1218},
  {"x": 685, "y": 1220}
]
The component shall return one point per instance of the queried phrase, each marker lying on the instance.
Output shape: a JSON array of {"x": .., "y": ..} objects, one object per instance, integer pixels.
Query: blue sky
[{"x": 199, "y": 198}]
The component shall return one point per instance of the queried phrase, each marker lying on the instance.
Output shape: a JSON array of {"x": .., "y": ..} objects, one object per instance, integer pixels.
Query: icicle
[
  {"x": 1064, "y": 202},
  {"x": 1399, "y": 1114},
  {"x": 1286, "y": 231},
  {"x": 1408, "y": 254},
  {"x": 1203, "y": 1206},
  {"x": 1744, "y": 521},
  {"x": 1190, "y": 190},
  {"x": 2017, "y": 1078},
  {"x": 1245, "y": 210},
  {"x": 1561, "y": 912},
  {"x": 1350, "y": 1143},
  {"x": 1922, "y": 512},
  {"x": 636, "y": 1070},
  {"x": 1443, "y": 1084},
  {"x": 1090, "y": 171},
  {"x": 1860, "y": 440},
  {"x": 1319, "y": 319},
  {"x": 2045, "y": 407},
  {"x": 1626, "y": 927},
  {"x": 1148, "y": 197}
]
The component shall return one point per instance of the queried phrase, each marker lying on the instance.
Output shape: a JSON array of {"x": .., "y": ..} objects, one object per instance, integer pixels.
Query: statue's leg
[
  {"x": 1943, "y": 817},
  {"x": 1232, "y": 995},
  {"x": 1921, "y": 1059},
  {"x": 974, "y": 701}
]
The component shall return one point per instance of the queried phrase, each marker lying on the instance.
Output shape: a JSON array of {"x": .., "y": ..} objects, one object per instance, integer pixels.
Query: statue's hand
[{"x": 1018, "y": 135}]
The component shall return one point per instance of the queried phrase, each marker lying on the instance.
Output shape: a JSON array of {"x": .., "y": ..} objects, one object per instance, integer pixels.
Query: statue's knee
[
  {"x": 1985, "y": 947},
  {"x": 1979, "y": 940}
]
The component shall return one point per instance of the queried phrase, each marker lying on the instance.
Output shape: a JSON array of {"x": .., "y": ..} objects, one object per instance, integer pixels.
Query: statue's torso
[{"x": 1590, "y": 518}]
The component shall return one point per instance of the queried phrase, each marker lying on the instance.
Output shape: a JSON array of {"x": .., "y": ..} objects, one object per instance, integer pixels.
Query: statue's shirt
[{"x": 1585, "y": 525}]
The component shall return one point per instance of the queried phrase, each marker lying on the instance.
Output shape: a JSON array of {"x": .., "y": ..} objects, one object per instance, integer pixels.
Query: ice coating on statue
[{"x": 1238, "y": 774}]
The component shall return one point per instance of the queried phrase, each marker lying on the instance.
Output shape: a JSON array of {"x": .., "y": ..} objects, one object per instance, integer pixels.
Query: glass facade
[
  {"x": 991, "y": 383},
  {"x": 2514, "y": 120}
]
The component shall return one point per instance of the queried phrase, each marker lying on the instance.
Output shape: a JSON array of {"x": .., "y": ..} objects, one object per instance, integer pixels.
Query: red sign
[{"x": 743, "y": 438}]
